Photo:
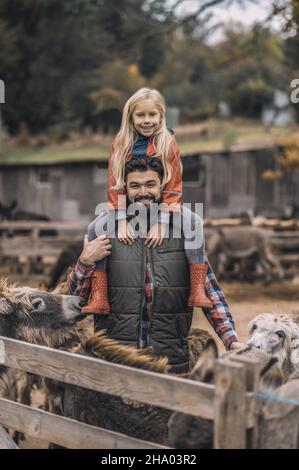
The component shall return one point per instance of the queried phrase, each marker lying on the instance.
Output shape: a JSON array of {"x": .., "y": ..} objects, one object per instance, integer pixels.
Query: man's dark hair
[{"x": 144, "y": 164}]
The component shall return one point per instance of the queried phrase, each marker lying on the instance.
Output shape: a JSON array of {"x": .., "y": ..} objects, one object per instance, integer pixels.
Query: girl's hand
[
  {"x": 124, "y": 233},
  {"x": 156, "y": 235}
]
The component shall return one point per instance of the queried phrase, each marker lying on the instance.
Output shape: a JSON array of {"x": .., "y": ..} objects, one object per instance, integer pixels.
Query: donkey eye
[
  {"x": 38, "y": 304},
  {"x": 280, "y": 334}
]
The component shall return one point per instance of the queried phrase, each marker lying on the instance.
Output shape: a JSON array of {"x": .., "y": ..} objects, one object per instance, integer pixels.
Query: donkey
[
  {"x": 278, "y": 335},
  {"x": 243, "y": 245},
  {"x": 37, "y": 317},
  {"x": 190, "y": 432}
]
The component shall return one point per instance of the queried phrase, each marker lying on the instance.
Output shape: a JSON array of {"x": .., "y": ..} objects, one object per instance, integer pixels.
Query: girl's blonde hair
[{"x": 162, "y": 139}]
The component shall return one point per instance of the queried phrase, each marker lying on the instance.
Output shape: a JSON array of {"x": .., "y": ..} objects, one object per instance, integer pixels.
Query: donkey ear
[{"x": 210, "y": 349}]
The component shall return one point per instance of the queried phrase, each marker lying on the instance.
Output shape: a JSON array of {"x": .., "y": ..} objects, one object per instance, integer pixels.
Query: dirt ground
[{"x": 248, "y": 300}]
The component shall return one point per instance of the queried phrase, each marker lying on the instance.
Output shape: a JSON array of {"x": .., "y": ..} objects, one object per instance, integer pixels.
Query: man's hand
[
  {"x": 237, "y": 345},
  {"x": 95, "y": 250},
  {"x": 156, "y": 235},
  {"x": 124, "y": 232}
]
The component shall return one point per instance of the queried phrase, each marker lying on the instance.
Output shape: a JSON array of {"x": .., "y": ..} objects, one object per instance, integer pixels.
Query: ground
[{"x": 248, "y": 300}]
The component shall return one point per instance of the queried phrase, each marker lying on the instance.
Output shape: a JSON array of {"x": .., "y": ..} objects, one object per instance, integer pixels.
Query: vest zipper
[
  {"x": 143, "y": 275},
  {"x": 149, "y": 257}
]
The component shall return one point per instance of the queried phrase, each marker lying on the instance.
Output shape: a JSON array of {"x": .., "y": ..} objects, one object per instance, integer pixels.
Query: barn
[{"x": 227, "y": 182}]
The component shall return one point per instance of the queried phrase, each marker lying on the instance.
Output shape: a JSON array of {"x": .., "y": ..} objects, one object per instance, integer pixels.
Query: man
[{"x": 149, "y": 286}]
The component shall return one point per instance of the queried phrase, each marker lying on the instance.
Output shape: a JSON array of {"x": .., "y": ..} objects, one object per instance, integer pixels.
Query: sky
[{"x": 247, "y": 14}]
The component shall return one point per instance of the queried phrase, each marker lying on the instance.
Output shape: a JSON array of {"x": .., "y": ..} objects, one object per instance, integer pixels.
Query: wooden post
[
  {"x": 230, "y": 405},
  {"x": 6, "y": 442},
  {"x": 280, "y": 419},
  {"x": 252, "y": 373}
]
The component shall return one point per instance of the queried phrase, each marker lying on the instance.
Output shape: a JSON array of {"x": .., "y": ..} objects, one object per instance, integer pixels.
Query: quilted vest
[{"x": 171, "y": 317}]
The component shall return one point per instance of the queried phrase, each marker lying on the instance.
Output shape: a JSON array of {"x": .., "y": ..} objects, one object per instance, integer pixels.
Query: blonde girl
[{"x": 143, "y": 134}]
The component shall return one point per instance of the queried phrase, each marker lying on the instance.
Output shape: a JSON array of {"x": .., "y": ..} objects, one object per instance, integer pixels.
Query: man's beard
[
  {"x": 145, "y": 222},
  {"x": 148, "y": 197}
]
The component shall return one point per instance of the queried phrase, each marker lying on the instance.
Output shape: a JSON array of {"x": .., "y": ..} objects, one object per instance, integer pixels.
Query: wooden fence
[
  {"x": 32, "y": 242},
  {"x": 29, "y": 247},
  {"x": 232, "y": 403},
  {"x": 22, "y": 251}
]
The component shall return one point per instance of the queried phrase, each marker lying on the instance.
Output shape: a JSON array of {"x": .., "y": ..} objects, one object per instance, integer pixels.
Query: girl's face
[{"x": 146, "y": 118}]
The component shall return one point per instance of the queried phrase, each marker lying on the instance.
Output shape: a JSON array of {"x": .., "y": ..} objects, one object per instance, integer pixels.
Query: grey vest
[{"x": 171, "y": 317}]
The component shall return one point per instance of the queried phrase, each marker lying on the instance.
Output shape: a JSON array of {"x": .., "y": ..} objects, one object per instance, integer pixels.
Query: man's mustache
[{"x": 144, "y": 198}]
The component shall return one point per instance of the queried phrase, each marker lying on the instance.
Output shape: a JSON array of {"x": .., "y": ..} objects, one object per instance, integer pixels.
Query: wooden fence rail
[
  {"x": 241, "y": 419},
  {"x": 225, "y": 403},
  {"x": 62, "y": 431},
  {"x": 95, "y": 374},
  {"x": 28, "y": 243},
  {"x": 27, "y": 248}
]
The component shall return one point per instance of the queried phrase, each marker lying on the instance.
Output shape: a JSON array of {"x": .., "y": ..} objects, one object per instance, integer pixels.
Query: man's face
[{"x": 144, "y": 187}]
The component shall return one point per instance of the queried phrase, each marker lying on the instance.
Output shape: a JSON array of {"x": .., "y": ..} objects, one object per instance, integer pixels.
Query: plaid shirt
[{"x": 219, "y": 316}]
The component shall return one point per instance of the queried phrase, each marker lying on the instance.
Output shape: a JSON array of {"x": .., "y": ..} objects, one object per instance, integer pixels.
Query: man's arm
[
  {"x": 219, "y": 315},
  {"x": 79, "y": 280}
]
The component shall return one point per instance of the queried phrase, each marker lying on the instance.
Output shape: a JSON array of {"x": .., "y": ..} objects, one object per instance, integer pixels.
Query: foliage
[
  {"x": 71, "y": 65},
  {"x": 289, "y": 155}
]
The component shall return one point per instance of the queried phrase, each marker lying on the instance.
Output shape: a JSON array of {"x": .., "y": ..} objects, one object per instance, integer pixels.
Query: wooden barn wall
[
  {"x": 194, "y": 179},
  {"x": 71, "y": 192},
  {"x": 267, "y": 201},
  {"x": 233, "y": 183},
  {"x": 227, "y": 184}
]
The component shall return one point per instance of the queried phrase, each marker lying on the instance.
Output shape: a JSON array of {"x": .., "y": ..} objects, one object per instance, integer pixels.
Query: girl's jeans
[{"x": 186, "y": 221}]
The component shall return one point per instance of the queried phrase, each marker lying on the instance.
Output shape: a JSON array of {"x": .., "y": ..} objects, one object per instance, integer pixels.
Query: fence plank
[
  {"x": 6, "y": 442},
  {"x": 135, "y": 384},
  {"x": 252, "y": 376},
  {"x": 31, "y": 225},
  {"x": 64, "y": 431},
  {"x": 230, "y": 406}
]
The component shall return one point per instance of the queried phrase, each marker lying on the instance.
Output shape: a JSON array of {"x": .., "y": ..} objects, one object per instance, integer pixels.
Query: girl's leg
[
  {"x": 98, "y": 302},
  {"x": 91, "y": 235},
  {"x": 194, "y": 237},
  {"x": 195, "y": 251}
]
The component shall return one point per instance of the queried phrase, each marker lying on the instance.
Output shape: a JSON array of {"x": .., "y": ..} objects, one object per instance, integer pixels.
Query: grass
[
  {"x": 210, "y": 136},
  {"x": 49, "y": 155}
]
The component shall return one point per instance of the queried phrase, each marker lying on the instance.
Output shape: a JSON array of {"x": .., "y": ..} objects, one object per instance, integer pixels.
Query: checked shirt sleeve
[
  {"x": 79, "y": 280},
  {"x": 219, "y": 315}
]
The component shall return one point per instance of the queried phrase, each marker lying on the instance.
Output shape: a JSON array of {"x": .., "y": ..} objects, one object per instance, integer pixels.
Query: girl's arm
[{"x": 173, "y": 190}]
